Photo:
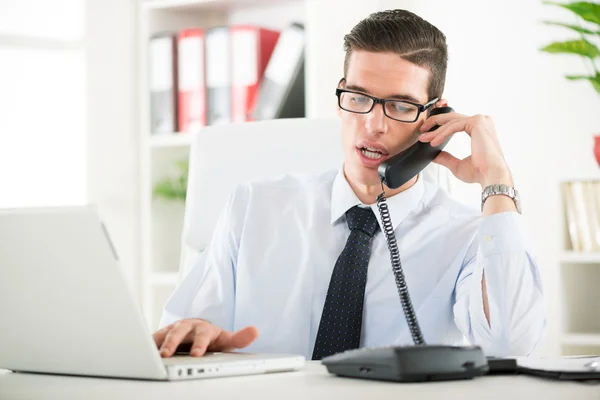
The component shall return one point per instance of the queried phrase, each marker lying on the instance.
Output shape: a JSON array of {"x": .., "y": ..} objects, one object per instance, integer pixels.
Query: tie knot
[{"x": 362, "y": 219}]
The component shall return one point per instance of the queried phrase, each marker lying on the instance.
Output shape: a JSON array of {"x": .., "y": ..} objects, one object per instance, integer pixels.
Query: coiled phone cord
[{"x": 407, "y": 307}]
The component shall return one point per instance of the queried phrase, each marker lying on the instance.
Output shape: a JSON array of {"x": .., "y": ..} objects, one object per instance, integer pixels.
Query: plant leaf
[
  {"x": 581, "y": 47},
  {"x": 182, "y": 165},
  {"x": 572, "y": 27},
  {"x": 595, "y": 80},
  {"x": 171, "y": 189},
  {"x": 588, "y": 11},
  {"x": 596, "y": 84}
]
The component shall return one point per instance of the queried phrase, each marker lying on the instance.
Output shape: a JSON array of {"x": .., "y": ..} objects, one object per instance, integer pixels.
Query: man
[{"x": 303, "y": 259}]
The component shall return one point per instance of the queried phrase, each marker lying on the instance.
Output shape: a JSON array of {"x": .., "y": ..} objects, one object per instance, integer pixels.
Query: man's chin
[{"x": 364, "y": 176}]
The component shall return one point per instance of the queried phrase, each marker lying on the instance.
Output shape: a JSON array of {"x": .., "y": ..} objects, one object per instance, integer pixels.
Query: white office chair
[{"x": 223, "y": 156}]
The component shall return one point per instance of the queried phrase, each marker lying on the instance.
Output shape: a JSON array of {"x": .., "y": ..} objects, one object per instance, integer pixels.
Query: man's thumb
[
  {"x": 244, "y": 337},
  {"x": 447, "y": 160}
]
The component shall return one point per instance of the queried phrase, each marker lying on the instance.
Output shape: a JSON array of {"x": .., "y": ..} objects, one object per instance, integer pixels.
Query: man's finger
[
  {"x": 159, "y": 335},
  {"x": 203, "y": 337},
  {"x": 440, "y": 135},
  {"x": 437, "y": 136},
  {"x": 236, "y": 340},
  {"x": 439, "y": 119},
  {"x": 174, "y": 338}
]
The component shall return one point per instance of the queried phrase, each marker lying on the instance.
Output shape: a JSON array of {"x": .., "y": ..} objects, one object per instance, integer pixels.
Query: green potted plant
[
  {"x": 582, "y": 46},
  {"x": 173, "y": 188}
]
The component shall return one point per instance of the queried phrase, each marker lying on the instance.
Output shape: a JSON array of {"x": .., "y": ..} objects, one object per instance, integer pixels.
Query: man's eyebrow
[{"x": 406, "y": 97}]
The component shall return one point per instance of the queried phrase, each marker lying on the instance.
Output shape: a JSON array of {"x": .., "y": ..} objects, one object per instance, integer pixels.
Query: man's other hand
[{"x": 203, "y": 337}]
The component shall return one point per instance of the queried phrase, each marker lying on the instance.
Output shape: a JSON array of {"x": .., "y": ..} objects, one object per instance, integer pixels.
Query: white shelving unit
[
  {"x": 161, "y": 220},
  {"x": 581, "y": 339},
  {"x": 167, "y": 278},
  {"x": 170, "y": 140},
  {"x": 580, "y": 296},
  {"x": 580, "y": 257}
]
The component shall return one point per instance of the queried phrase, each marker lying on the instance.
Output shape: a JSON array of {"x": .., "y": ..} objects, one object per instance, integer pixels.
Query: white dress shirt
[{"x": 276, "y": 243}]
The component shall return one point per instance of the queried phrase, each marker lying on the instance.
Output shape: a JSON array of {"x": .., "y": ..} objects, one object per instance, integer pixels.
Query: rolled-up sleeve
[{"x": 514, "y": 291}]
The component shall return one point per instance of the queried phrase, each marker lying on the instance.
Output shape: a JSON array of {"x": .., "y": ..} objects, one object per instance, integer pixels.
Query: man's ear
[{"x": 441, "y": 103}]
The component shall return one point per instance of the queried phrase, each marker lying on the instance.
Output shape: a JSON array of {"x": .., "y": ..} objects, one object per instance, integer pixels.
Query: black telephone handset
[
  {"x": 397, "y": 170},
  {"x": 420, "y": 362}
]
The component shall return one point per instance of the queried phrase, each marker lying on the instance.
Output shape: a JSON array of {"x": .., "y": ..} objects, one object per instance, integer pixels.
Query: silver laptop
[{"x": 65, "y": 307}]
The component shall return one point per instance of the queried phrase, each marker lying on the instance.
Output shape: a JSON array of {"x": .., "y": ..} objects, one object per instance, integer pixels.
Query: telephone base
[{"x": 409, "y": 363}]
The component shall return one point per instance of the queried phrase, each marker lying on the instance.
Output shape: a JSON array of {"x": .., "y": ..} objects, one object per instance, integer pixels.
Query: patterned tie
[{"x": 341, "y": 321}]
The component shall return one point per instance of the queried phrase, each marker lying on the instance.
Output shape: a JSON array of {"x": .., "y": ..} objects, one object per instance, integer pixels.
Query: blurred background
[{"x": 99, "y": 100}]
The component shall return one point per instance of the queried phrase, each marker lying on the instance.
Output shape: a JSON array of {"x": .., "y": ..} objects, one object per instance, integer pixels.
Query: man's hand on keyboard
[{"x": 202, "y": 336}]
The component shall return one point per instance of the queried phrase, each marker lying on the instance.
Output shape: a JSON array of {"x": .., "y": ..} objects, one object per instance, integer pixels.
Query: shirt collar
[{"x": 343, "y": 198}]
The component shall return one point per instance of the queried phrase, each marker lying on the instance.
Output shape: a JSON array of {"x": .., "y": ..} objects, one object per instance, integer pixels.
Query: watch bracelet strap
[{"x": 498, "y": 189}]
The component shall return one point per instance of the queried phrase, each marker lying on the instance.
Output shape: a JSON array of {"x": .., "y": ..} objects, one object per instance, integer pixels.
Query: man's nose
[{"x": 376, "y": 120}]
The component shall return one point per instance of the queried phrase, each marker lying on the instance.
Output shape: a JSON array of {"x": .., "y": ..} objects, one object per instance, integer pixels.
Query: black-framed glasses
[{"x": 398, "y": 110}]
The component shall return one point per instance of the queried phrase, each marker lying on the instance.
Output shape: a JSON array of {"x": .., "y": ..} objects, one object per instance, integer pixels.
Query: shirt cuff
[{"x": 502, "y": 233}]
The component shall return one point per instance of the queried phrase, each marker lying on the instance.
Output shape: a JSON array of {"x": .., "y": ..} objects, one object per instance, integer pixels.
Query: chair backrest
[{"x": 223, "y": 156}]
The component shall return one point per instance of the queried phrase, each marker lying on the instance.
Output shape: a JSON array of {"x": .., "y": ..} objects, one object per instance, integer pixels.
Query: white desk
[{"x": 311, "y": 383}]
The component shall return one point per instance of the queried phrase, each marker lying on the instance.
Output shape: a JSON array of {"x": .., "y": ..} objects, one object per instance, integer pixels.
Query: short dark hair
[{"x": 409, "y": 36}]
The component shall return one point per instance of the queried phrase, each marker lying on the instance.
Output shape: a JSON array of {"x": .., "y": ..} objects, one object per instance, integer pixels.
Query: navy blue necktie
[{"x": 341, "y": 320}]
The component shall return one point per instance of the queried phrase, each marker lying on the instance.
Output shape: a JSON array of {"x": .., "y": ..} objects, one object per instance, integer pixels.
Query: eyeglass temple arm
[{"x": 429, "y": 104}]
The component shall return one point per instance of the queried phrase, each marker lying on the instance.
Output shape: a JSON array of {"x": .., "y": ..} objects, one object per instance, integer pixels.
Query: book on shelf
[
  {"x": 582, "y": 211},
  {"x": 163, "y": 82},
  {"x": 252, "y": 47},
  {"x": 218, "y": 75},
  {"x": 192, "y": 84},
  {"x": 281, "y": 93}
]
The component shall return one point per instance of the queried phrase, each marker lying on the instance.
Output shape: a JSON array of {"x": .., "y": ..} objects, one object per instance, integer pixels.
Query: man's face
[{"x": 383, "y": 75}]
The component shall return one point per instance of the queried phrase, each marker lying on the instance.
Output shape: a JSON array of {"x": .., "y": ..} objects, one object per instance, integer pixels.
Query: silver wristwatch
[{"x": 503, "y": 189}]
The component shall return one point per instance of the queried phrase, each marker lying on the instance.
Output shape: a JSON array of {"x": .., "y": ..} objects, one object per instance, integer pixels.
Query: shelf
[
  {"x": 580, "y": 257},
  {"x": 188, "y": 5},
  {"x": 581, "y": 339},
  {"x": 171, "y": 140},
  {"x": 164, "y": 278}
]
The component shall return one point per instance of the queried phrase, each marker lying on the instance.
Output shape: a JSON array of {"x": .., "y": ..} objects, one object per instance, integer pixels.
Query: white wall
[
  {"x": 113, "y": 182},
  {"x": 327, "y": 22},
  {"x": 544, "y": 122},
  {"x": 42, "y": 103}
]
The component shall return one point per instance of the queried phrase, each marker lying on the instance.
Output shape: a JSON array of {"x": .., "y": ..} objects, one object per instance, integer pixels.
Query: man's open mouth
[{"x": 372, "y": 153}]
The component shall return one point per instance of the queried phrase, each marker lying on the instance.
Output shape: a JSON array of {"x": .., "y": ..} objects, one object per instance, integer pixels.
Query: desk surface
[{"x": 313, "y": 382}]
